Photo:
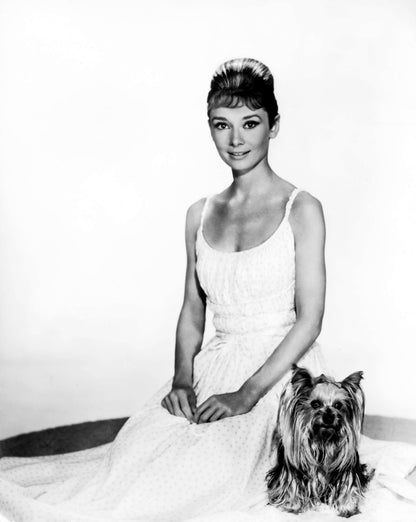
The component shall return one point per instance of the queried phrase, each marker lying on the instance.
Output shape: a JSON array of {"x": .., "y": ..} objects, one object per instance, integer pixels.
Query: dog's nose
[{"x": 328, "y": 418}]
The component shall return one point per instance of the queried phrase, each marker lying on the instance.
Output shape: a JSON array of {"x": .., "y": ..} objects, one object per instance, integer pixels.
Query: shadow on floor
[{"x": 63, "y": 439}]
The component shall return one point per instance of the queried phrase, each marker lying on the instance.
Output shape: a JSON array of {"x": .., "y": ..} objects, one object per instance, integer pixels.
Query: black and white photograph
[{"x": 207, "y": 252}]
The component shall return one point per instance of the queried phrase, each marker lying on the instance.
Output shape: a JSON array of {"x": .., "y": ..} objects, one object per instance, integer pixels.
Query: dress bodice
[{"x": 250, "y": 291}]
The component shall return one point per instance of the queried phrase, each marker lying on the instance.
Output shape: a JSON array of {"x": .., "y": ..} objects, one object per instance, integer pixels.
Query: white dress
[{"x": 164, "y": 468}]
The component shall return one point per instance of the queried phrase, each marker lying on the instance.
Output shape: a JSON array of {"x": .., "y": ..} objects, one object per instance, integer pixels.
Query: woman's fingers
[
  {"x": 201, "y": 408},
  {"x": 210, "y": 410},
  {"x": 166, "y": 403},
  {"x": 206, "y": 415},
  {"x": 176, "y": 406},
  {"x": 170, "y": 402},
  {"x": 180, "y": 402},
  {"x": 219, "y": 414},
  {"x": 184, "y": 406}
]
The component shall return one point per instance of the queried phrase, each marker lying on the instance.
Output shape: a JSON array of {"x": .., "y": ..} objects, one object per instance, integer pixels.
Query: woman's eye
[
  {"x": 251, "y": 124},
  {"x": 220, "y": 125}
]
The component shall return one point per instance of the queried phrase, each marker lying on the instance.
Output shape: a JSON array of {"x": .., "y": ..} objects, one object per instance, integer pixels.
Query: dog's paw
[
  {"x": 347, "y": 513},
  {"x": 294, "y": 508}
]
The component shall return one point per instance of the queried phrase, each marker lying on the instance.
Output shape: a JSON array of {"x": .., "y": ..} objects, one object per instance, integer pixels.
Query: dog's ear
[
  {"x": 301, "y": 377},
  {"x": 295, "y": 367},
  {"x": 352, "y": 380},
  {"x": 351, "y": 385}
]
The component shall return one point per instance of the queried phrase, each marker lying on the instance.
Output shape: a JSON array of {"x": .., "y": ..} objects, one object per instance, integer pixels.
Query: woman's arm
[
  {"x": 190, "y": 328},
  {"x": 191, "y": 322},
  {"x": 308, "y": 227}
]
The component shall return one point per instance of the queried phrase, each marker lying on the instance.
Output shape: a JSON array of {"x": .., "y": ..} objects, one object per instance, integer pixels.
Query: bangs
[{"x": 232, "y": 100}]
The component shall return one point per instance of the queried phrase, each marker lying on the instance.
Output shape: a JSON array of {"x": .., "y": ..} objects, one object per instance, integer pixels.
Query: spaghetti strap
[
  {"x": 290, "y": 201},
  {"x": 204, "y": 209},
  {"x": 288, "y": 208}
]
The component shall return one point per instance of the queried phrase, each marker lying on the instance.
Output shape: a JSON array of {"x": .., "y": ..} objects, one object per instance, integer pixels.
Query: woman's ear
[{"x": 274, "y": 129}]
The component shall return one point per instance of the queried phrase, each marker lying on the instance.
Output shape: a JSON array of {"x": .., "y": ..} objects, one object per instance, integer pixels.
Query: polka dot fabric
[{"x": 164, "y": 468}]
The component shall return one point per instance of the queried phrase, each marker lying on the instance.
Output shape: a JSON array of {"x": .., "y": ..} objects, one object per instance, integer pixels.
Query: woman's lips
[{"x": 238, "y": 155}]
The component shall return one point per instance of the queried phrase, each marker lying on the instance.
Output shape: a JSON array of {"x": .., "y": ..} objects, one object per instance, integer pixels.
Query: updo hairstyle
[{"x": 243, "y": 81}]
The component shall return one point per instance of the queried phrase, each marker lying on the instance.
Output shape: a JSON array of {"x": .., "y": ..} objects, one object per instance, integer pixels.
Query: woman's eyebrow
[
  {"x": 244, "y": 117},
  {"x": 251, "y": 116}
]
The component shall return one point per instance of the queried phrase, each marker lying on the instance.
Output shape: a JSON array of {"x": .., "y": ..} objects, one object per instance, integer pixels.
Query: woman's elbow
[{"x": 311, "y": 325}]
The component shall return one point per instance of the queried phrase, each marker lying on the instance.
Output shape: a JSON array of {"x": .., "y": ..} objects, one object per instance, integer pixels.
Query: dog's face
[
  {"x": 323, "y": 408},
  {"x": 328, "y": 406}
]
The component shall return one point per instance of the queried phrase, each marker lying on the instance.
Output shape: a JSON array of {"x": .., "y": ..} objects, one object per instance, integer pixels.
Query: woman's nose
[{"x": 236, "y": 138}]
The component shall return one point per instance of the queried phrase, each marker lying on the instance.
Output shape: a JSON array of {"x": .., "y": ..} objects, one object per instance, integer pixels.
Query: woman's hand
[
  {"x": 224, "y": 405},
  {"x": 180, "y": 401}
]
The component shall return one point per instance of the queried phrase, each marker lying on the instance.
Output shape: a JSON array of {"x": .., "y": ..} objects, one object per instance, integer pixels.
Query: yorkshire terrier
[{"x": 318, "y": 429}]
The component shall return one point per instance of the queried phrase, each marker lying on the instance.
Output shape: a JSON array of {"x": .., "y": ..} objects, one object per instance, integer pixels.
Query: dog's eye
[
  {"x": 337, "y": 405},
  {"x": 316, "y": 404}
]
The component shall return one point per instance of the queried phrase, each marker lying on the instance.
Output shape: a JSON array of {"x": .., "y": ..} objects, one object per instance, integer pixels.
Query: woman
[
  {"x": 202, "y": 444},
  {"x": 243, "y": 117}
]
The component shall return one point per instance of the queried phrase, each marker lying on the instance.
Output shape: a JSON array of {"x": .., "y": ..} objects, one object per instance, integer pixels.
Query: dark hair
[{"x": 243, "y": 81}]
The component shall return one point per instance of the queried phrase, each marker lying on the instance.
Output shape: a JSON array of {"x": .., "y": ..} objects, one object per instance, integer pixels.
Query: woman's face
[{"x": 241, "y": 135}]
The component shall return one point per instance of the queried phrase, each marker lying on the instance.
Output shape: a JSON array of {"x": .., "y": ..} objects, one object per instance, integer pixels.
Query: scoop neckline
[
  {"x": 255, "y": 247},
  {"x": 285, "y": 218}
]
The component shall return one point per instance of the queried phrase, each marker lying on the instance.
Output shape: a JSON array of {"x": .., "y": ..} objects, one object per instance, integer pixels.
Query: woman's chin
[{"x": 242, "y": 164}]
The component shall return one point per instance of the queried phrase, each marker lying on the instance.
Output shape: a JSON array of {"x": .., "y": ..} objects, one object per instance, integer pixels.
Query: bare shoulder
[
  {"x": 193, "y": 216},
  {"x": 194, "y": 211},
  {"x": 307, "y": 213}
]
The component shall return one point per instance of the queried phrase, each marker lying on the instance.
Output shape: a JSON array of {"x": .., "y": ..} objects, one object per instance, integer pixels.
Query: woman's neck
[{"x": 252, "y": 183}]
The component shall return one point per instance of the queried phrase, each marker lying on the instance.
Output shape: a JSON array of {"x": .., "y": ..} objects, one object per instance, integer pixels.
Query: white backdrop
[{"x": 105, "y": 144}]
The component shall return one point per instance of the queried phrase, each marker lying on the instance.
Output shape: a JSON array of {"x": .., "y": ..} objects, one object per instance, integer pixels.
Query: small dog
[{"x": 318, "y": 429}]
